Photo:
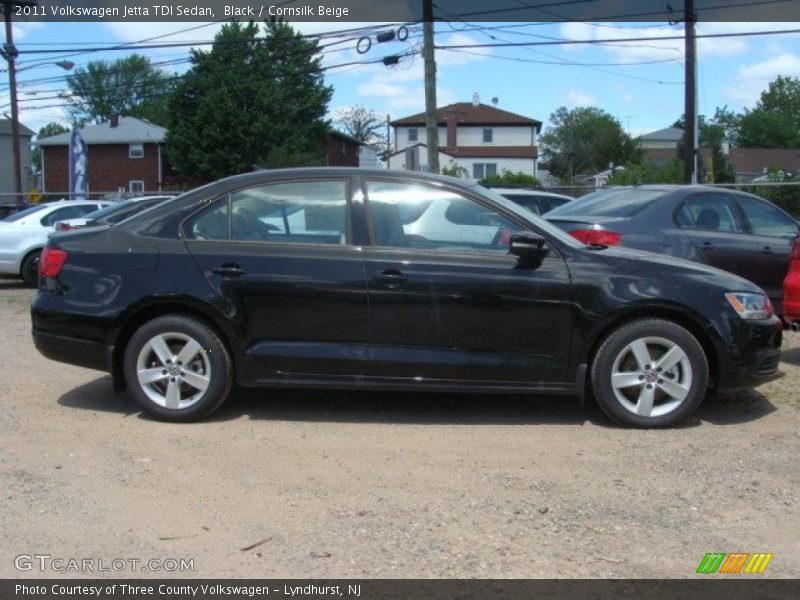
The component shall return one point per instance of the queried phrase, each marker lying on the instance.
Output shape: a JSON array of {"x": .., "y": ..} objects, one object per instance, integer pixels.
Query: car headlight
[{"x": 750, "y": 306}]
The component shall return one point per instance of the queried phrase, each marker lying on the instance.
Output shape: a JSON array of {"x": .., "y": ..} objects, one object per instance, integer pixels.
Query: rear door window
[{"x": 709, "y": 212}]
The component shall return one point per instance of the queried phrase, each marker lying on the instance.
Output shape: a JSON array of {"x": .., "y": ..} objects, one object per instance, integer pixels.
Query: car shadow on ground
[
  {"x": 735, "y": 408},
  {"x": 791, "y": 356},
  {"x": 412, "y": 407},
  {"x": 12, "y": 282}
]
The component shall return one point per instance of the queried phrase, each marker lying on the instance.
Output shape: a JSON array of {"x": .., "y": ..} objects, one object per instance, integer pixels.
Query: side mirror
[{"x": 528, "y": 246}]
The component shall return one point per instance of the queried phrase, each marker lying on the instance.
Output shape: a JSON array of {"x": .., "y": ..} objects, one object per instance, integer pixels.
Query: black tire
[
  {"x": 29, "y": 271},
  {"x": 211, "y": 363},
  {"x": 629, "y": 401}
]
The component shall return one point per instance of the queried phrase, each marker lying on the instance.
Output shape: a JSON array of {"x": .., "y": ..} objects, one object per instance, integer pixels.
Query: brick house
[
  {"x": 125, "y": 153},
  {"x": 483, "y": 140},
  {"x": 7, "y": 163}
]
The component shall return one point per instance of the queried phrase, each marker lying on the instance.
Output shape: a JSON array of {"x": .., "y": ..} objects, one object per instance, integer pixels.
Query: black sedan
[
  {"x": 308, "y": 278},
  {"x": 727, "y": 229}
]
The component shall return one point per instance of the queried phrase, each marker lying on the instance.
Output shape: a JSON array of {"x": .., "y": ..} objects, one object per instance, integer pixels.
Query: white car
[
  {"x": 113, "y": 213},
  {"x": 24, "y": 234}
]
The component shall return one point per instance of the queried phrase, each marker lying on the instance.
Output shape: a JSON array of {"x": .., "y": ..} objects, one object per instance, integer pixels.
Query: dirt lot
[{"x": 368, "y": 485}]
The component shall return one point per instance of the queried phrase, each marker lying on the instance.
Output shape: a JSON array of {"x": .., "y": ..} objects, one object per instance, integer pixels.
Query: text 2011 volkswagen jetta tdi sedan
[{"x": 324, "y": 278}]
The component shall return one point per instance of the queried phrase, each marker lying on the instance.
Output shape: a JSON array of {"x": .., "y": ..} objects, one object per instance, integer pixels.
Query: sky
[{"x": 640, "y": 83}]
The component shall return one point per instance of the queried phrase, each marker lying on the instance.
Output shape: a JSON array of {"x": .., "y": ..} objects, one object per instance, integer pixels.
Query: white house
[{"x": 481, "y": 139}]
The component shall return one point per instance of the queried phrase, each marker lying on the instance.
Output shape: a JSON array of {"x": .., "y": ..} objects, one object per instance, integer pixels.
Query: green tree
[
  {"x": 775, "y": 120},
  {"x": 585, "y": 140},
  {"x": 48, "y": 130},
  {"x": 648, "y": 172},
  {"x": 712, "y": 135},
  {"x": 129, "y": 86},
  {"x": 249, "y": 101}
]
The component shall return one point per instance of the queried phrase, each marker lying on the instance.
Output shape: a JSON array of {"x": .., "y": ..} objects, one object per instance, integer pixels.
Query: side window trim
[
  {"x": 500, "y": 210},
  {"x": 348, "y": 186},
  {"x": 748, "y": 226},
  {"x": 737, "y": 212}
]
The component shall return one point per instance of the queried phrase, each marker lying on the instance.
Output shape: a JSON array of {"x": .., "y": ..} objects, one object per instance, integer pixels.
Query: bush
[
  {"x": 648, "y": 172},
  {"x": 510, "y": 178}
]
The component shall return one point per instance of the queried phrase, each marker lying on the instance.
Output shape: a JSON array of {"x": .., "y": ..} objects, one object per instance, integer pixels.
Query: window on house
[
  {"x": 136, "y": 186},
  {"x": 481, "y": 170},
  {"x": 412, "y": 135},
  {"x": 487, "y": 135},
  {"x": 136, "y": 151}
]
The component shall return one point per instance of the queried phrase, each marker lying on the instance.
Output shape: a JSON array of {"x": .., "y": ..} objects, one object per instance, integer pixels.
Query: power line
[{"x": 618, "y": 40}]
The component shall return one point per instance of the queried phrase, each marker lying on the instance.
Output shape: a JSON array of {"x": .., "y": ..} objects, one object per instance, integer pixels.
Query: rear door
[
  {"x": 280, "y": 258},
  {"x": 773, "y": 234},
  {"x": 446, "y": 304},
  {"x": 712, "y": 222}
]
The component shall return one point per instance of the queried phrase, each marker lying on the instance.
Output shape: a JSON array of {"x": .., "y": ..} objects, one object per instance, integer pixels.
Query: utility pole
[
  {"x": 431, "y": 124},
  {"x": 690, "y": 133}
]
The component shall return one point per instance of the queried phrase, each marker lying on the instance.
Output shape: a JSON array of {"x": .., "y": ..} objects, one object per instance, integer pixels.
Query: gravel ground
[{"x": 323, "y": 484}]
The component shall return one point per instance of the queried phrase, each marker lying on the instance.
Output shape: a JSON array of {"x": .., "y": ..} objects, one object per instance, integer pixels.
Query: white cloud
[
  {"x": 579, "y": 98},
  {"x": 381, "y": 90},
  {"x": 753, "y": 78}
]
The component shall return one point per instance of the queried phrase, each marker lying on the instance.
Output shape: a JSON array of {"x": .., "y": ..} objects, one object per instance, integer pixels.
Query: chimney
[
  {"x": 476, "y": 100},
  {"x": 452, "y": 128},
  {"x": 114, "y": 120}
]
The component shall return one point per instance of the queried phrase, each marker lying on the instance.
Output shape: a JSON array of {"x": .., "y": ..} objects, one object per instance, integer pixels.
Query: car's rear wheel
[
  {"x": 177, "y": 368},
  {"x": 29, "y": 271},
  {"x": 650, "y": 373}
]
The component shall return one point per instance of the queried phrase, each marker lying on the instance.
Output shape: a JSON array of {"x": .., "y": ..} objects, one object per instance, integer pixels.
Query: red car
[{"x": 791, "y": 289}]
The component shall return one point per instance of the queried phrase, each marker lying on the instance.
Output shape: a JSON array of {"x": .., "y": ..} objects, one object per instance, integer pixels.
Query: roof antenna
[{"x": 495, "y": 100}]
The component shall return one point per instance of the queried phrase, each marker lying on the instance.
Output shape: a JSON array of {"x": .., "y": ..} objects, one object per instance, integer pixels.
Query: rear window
[
  {"x": 608, "y": 203},
  {"x": 24, "y": 213}
]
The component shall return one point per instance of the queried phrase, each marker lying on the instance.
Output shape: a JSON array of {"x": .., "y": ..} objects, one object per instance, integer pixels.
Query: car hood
[{"x": 667, "y": 265}]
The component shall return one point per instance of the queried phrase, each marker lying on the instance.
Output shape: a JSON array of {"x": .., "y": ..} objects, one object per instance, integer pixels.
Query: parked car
[
  {"x": 791, "y": 289},
  {"x": 24, "y": 234},
  {"x": 182, "y": 301},
  {"x": 6, "y": 210},
  {"x": 535, "y": 200},
  {"x": 731, "y": 230},
  {"x": 112, "y": 214}
]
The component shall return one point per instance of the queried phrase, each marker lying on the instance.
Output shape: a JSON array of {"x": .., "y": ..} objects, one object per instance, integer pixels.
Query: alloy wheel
[{"x": 173, "y": 370}]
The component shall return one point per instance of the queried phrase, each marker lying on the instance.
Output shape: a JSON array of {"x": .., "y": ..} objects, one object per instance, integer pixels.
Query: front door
[
  {"x": 280, "y": 260},
  {"x": 447, "y": 301}
]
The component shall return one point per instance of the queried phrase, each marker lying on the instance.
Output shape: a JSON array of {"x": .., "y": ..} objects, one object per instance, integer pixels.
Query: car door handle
[
  {"x": 228, "y": 271},
  {"x": 708, "y": 246},
  {"x": 766, "y": 250},
  {"x": 390, "y": 277}
]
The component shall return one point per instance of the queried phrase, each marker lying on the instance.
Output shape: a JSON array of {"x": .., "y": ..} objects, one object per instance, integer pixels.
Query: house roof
[
  {"x": 345, "y": 136},
  {"x": 5, "y": 128},
  {"x": 129, "y": 131},
  {"x": 482, "y": 151},
  {"x": 668, "y": 134},
  {"x": 753, "y": 161},
  {"x": 466, "y": 113}
]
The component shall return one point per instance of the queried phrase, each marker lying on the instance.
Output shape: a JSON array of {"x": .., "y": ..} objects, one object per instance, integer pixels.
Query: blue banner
[{"x": 78, "y": 166}]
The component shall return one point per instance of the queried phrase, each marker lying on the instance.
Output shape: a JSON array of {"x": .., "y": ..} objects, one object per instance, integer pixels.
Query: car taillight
[
  {"x": 596, "y": 237},
  {"x": 51, "y": 261},
  {"x": 795, "y": 255}
]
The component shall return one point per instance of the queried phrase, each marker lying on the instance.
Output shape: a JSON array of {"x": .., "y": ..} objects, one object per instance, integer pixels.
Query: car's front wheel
[
  {"x": 650, "y": 373},
  {"x": 177, "y": 368}
]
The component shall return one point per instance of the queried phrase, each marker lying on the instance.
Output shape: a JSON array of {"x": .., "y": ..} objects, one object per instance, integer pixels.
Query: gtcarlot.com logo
[
  {"x": 46, "y": 562},
  {"x": 733, "y": 563}
]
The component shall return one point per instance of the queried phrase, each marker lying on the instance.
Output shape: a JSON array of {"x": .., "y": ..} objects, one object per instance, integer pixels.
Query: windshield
[
  {"x": 608, "y": 203},
  {"x": 24, "y": 213},
  {"x": 549, "y": 228}
]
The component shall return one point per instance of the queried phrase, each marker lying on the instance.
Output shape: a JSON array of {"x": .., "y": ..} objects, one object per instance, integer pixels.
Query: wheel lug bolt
[
  {"x": 641, "y": 377},
  {"x": 172, "y": 379},
  {"x": 647, "y": 367},
  {"x": 164, "y": 372},
  {"x": 659, "y": 369},
  {"x": 649, "y": 386}
]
